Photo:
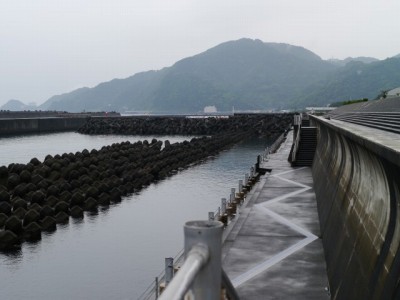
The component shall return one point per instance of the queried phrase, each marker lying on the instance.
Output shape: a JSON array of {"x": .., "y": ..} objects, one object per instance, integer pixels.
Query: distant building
[
  {"x": 210, "y": 109},
  {"x": 394, "y": 93},
  {"x": 319, "y": 110}
]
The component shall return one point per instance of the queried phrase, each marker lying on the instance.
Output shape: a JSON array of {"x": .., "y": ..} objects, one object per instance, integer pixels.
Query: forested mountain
[
  {"x": 354, "y": 81},
  {"x": 245, "y": 74},
  {"x": 343, "y": 62}
]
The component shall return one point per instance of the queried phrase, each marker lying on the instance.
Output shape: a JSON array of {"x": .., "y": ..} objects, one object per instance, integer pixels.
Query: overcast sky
[{"x": 50, "y": 47}]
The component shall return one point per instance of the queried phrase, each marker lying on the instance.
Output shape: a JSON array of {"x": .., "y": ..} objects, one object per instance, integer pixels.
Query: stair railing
[{"x": 296, "y": 139}]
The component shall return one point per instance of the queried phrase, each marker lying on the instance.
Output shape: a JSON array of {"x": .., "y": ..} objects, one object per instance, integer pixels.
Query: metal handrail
[
  {"x": 201, "y": 274},
  {"x": 296, "y": 145},
  {"x": 297, "y": 122},
  {"x": 277, "y": 143},
  {"x": 195, "y": 260},
  {"x": 148, "y": 292},
  {"x": 154, "y": 289}
]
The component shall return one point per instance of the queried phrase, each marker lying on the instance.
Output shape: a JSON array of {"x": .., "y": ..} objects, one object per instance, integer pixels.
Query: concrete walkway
[{"x": 273, "y": 251}]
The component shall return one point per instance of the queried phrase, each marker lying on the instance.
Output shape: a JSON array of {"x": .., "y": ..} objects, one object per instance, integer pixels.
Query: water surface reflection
[{"x": 115, "y": 252}]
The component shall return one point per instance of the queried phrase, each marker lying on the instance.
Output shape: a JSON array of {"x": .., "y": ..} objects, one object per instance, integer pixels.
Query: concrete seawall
[
  {"x": 35, "y": 125},
  {"x": 356, "y": 176}
]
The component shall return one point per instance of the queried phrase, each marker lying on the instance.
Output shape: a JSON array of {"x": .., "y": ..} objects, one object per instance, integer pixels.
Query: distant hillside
[
  {"x": 16, "y": 105},
  {"x": 354, "y": 81},
  {"x": 343, "y": 62},
  {"x": 245, "y": 74}
]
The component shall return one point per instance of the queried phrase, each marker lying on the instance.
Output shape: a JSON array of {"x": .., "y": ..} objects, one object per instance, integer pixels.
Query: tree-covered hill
[
  {"x": 245, "y": 74},
  {"x": 354, "y": 81}
]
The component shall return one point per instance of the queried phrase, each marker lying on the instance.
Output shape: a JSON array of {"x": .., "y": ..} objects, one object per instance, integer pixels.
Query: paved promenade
[{"x": 273, "y": 251}]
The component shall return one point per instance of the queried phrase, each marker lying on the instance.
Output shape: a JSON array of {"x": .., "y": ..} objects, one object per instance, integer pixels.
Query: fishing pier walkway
[{"x": 273, "y": 250}]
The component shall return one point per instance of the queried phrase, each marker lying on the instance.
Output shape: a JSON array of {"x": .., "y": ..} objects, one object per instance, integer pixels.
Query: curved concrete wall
[{"x": 357, "y": 184}]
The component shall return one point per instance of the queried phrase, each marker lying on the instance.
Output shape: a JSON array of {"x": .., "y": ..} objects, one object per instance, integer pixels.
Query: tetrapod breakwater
[{"x": 38, "y": 195}]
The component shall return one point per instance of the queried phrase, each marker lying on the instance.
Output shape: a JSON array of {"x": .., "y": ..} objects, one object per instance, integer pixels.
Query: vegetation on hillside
[{"x": 245, "y": 75}]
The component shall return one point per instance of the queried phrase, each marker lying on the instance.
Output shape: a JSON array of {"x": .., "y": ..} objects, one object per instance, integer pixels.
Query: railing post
[
  {"x": 207, "y": 283},
  {"x": 232, "y": 195},
  {"x": 169, "y": 270},
  {"x": 240, "y": 186},
  {"x": 297, "y": 124},
  {"x": 223, "y": 206},
  {"x": 266, "y": 153},
  {"x": 211, "y": 216},
  {"x": 157, "y": 287},
  {"x": 223, "y": 217},
  {"x": 246, "y": 179}
]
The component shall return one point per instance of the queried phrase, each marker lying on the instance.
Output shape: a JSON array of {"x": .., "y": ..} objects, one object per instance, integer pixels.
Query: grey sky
[{"x": 50, "y": 47}]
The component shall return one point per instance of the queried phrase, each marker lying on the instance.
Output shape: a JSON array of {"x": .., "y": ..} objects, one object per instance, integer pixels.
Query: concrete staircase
[
  {"x": 307, "y": 146},
  {"x": 383, "y": 121},
  {"x": 381, "y": 114},
  {"x": 305, "y": 122}
]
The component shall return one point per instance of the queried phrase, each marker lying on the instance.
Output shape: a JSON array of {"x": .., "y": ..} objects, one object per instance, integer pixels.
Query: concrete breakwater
[
  {"x": 22, "y": 122},
  {"x": 29, "y": 114},
  {"x": 262, "y": 124},
  {"x": 35, "y": 125},
  {"x": 356, "y": 175},
  {"x": 38, "y": 195}
]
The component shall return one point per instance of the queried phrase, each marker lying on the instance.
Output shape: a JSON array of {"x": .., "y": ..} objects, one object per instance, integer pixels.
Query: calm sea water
[{"x": 116, "y": 253}]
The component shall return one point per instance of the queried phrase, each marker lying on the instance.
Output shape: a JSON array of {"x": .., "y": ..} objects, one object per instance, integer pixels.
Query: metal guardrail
[
  {"x": 297, "y": 120},
  {"x": 296, "y": 139},
  {"x": 192, "y": 260},
  {"x": 272, "y": 148},
  {"x": 200, "y": 275},
  {"x": 277, "y": 143},
  {"x": 152, "y": 292},
  {"x": 296, "y": 145}
]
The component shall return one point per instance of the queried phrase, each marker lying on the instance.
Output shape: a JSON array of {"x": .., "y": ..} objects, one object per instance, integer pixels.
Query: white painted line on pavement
[
  {"x": 285, "y": 196},
  {"x": 290, "y": 171},
  {"x": 310, "y": 237},
  {"x": 286, "y": 222},
  {"x": 291, "y": 181},
  {"x": 271, "y": 262}
]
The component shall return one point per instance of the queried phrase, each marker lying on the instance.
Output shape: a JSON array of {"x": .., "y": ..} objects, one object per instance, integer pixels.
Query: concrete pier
[
  {"x": 38, "y": 125},
  {"x": 273, "y": 250}
]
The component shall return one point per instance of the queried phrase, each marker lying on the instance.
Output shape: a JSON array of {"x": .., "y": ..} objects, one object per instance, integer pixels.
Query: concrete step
[
  {"x": 307, "y": 146},
  {"x": 371, "y": 120},
  {"x": 383, "y": 121}
]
